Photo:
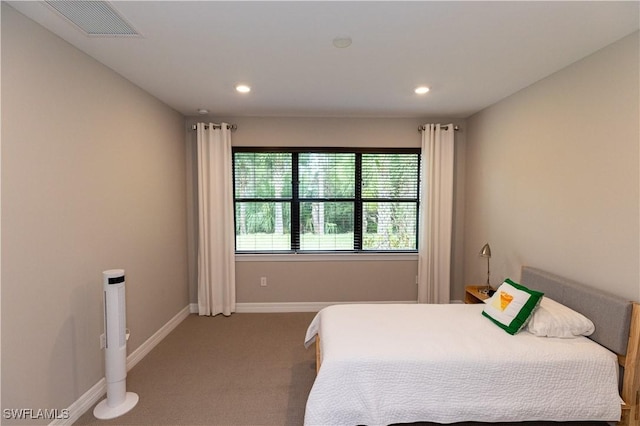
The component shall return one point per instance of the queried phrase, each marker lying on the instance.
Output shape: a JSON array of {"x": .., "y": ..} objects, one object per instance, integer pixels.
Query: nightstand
[{"x": 472, "y": 294}]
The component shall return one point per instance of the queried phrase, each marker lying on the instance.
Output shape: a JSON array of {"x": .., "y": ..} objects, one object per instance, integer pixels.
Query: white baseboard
[
  {"x": 82, "y": 404},
  {"x": 291, "y": 306},
  {"x": 264, "y": 307},
  {"x": 299, "y": 306},
  {"x": 134, "y": 357},
  {"x": 90, "y": 397}
]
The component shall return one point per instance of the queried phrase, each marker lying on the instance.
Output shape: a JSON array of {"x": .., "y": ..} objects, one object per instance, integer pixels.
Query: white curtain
[
  {"x": 216, "y": 237},
  {"x": 436, "y": 211}
]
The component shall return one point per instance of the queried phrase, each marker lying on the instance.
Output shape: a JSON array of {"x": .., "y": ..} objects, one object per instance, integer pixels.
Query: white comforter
[{"x": 385, "y": 364}]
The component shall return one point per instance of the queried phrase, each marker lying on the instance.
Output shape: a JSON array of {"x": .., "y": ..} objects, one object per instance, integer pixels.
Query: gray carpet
[{"x": 246, "y": 369}]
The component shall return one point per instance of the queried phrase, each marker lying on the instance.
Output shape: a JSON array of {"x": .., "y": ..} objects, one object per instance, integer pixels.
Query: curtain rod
[
  {"x": 231, "y": 127},
  {"x": 423, "y": 128}
]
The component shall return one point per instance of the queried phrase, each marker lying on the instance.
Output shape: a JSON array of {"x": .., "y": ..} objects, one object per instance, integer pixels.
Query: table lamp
[{"x": 486, "y": 252}]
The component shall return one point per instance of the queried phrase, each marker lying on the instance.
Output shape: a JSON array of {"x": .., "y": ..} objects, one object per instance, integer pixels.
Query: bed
[{"x": 403, "y": 363}]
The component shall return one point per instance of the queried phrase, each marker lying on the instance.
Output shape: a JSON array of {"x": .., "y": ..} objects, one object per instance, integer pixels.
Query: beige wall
[
  {"x": 552, "y": 176},
  {"x": 93, "y": 178},
  {"x": 342, "y": 279}
]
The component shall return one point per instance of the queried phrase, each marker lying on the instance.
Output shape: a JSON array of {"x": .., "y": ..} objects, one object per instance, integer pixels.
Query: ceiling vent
[{"x": 94, "y": 18}]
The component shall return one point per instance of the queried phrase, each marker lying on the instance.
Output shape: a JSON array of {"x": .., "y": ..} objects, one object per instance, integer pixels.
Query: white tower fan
[{"x": 118, "y": 401}]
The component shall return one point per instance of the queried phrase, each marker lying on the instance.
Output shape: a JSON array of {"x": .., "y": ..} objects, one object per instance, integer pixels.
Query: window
[{"x": 301, "y": 201}]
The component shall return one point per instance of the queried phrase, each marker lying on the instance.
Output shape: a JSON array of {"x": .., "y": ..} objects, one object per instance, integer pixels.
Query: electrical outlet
[
  {"x": 103, "y": 341},
  {"x": 263, "y": 281}
]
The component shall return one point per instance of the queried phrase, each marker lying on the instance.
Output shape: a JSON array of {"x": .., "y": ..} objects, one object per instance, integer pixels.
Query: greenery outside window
[{"x": 334, "y": 200}]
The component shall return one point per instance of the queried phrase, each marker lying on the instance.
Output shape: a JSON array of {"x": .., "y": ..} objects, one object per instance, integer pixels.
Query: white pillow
[{"x": 553, "y": 319}]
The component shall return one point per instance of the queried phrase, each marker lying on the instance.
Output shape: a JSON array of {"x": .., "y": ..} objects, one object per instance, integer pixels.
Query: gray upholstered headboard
[{"x": 610, "y": 314}]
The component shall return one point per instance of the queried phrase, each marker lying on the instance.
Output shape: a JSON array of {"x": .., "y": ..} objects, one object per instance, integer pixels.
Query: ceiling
[{"x": 191, "y": 54}]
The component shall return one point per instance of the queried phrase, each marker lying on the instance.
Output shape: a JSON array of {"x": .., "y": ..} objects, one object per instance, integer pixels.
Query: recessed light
[
  {"x": 243, "y": 88},
  {"x": 342, "y": 42},
  {"x": 421, "y": 90}
]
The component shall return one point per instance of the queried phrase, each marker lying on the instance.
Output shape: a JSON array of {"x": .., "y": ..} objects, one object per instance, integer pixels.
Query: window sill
[{"x": 327, "y": 257}]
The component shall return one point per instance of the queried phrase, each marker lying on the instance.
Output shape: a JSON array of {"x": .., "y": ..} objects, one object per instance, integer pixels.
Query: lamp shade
[{"x": 486, "y": 251}]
